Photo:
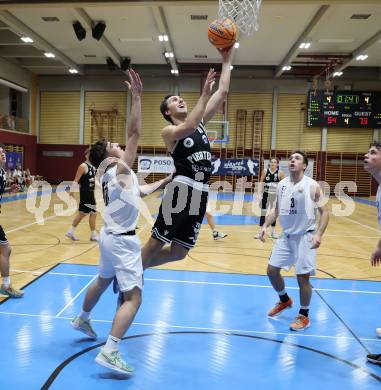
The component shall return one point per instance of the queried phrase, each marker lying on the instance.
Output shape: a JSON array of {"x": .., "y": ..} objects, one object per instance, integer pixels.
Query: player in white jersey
[
  {"x": 372, "y": 164},
  {"x": 120, "y": 252},
  {"x": 298, "y": 197}
]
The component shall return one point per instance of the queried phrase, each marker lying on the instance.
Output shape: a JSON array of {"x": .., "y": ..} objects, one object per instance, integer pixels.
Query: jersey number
[
  {"x": 292, "y": 206},
  {"x": 105, "y": 193}
]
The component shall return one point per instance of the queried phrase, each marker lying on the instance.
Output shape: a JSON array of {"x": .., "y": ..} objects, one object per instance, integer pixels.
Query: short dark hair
[
  {"x": 2, "y": 146},
  {"x": 302, "y": 153},
  {"x": 164, "y": 108},
  {"x": 98, "y": 152},
  {"x": 376, "y": 144},
  {"x": 275, "y": 158}
]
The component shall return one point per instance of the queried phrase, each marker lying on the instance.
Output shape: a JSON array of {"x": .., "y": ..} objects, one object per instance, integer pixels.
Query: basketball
[{"x": 222, "y": 33}]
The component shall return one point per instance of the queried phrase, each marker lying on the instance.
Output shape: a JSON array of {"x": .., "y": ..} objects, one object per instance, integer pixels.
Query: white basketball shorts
[
  {"x": 294, "y": 250},
  {"x": 120, "y": 255}
]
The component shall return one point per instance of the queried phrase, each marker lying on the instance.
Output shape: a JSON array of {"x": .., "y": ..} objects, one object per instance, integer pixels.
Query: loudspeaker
[
  {"x": 80, "y": 32},
  {"x": 98, "y": 30},
  {"x": 110, "y": 64},
  {"x": 125, "y": 63}
]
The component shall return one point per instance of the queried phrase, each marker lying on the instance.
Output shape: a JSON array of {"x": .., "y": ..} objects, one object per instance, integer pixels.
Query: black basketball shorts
[{"x": 180, "y": 215}]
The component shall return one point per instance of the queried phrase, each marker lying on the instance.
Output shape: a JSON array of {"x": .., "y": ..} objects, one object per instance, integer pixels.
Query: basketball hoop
[
  {"x": 244, "y": 13},
  {"x": 211, "y": 140}
]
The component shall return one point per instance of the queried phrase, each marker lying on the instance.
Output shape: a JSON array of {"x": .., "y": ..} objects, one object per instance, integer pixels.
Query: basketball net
[{"x": 244, "y": 13}]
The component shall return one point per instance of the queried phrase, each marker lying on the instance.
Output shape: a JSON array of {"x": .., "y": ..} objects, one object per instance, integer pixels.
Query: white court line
[
  {"x": 198, "y": 328},
  {"x": 325, "y": 234},
  {"x": 362, "y": 224},
  {"x": 29, "y": 224},
  {"x": 215, "y": 283},
  {"x": 75, "y": 297}
]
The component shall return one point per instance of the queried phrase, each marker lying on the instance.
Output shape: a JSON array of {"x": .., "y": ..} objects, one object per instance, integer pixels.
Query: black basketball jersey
[
  {"x": 3, "y": 180},
  {"x": 271, "y": 180},
  {"x": 87, "y": 181},
  {"x": 192, "y": 157}
]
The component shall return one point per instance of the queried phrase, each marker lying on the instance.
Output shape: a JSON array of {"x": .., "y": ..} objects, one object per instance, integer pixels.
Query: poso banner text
[{"x": 155, "y": 164}]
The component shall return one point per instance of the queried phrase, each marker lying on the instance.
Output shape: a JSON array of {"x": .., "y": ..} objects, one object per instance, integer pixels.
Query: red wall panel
[{"x": 56, "y": 169}]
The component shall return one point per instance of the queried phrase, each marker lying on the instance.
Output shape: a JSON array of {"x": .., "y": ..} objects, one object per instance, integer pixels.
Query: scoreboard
[{"x": 344, "y": 109}]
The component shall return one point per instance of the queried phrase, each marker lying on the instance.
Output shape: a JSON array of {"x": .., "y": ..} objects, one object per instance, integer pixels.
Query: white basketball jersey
[
  {"x": 122, "y": 204},
  {"x": 378, "y": 204},
  {"x": 297, "y": 210}
]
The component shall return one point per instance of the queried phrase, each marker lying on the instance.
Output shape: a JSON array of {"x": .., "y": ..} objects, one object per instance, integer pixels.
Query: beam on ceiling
[
  {"x": 20, "y": 28},
  {"x": 20, "y": 51},
  {"x": 163, "y": 28},
  {"x": 7, "y": 37},
  {"x": 93, "y": 3},
  {"x": 38, "y": 63},
  {"x": 295, "y": 48},
  {"x": 87, "y": 23},
  {"x": 360, "y": 50}
]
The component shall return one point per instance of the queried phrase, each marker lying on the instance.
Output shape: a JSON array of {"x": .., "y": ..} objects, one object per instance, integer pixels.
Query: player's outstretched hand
[
  {"x": 209, "y": 82},
  {"x": 135, "y": 84},
  {"x": 262, "y": 234},
  {"x": 375, "y": 259},
  {"x": 316, "y": 241}
]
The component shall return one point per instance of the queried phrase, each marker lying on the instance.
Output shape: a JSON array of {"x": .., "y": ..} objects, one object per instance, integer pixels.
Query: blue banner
[
  {"x": 14, "y": 159},
  {"x": 238, "y": 167}
]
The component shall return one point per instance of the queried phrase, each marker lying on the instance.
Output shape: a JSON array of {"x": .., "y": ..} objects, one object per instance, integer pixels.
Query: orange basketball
[{"x": 222, "y": 33}]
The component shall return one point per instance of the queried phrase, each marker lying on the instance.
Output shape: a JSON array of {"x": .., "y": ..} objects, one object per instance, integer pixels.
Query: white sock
[
  {"x": 85, "y": 315},
  {"x": 94, "y": 233},
  {"x": 304, "y": 307},
  {"x": 112, "y": 344},
  {"x": 71, "y": 230},
  {"x": 281, "y": 292},
  {"x": 6, "y": 281}
]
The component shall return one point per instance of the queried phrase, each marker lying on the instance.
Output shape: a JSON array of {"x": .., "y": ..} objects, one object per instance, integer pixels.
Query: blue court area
[{"x": 195, "y": 330}]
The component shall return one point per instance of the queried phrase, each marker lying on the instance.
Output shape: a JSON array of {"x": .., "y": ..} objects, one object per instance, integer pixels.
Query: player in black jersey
[
  {"x": 268, "y": 183},
  {"x": 5, "y": 249},
  {"x": 183, "y": 207},
  {"x": 85, "y": 177}
]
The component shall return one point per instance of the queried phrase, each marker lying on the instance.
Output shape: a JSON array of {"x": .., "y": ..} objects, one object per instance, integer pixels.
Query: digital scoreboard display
[{"x": 344, "y": 109}]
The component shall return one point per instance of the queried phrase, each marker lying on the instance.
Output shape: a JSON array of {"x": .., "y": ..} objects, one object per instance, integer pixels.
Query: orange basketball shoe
[
  {"x": 301, "y": 322},
  {"x": 279, "y": 307}
]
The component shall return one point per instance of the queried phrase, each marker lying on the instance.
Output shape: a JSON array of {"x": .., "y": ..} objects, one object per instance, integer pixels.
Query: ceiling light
[
  {"x": 73, "y": 71},
  {"x": 163, "y": 38},
  {"x": 362, "y": 57},
  {"x": 27, "y": 39},
  {"x": 305, "y": 45},
  {"x": 337, "y": 74},
  {"x": 236, "y": 45},
  {"x": 231, "y": 67},
  {"x": 174, "y": 71},
  {"x": 168, "y": 54},
  {"x": 287, "y": 67},
  {"x": 49, "y": 55}
]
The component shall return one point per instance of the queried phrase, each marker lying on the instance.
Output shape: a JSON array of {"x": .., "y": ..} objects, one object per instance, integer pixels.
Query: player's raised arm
[
  {"x": 134, "y": 125},
  {"x": 183, "y": 129},
  {"x": 220, "y": 95}
]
